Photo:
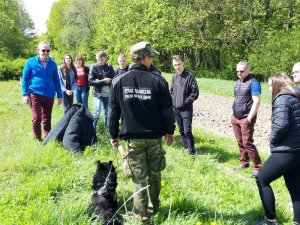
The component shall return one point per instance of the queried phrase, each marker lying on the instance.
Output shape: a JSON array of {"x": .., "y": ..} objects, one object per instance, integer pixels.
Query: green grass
[{"x": 47, "y": 185}]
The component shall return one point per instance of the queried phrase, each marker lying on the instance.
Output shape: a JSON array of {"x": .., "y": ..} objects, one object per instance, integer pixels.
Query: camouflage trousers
[{"x": 145, "y": 160}]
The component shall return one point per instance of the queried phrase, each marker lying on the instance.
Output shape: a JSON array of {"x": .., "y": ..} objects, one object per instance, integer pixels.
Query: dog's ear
[
  {"x": 98, "y": 164},
  {"x": 111, "y": 166}
]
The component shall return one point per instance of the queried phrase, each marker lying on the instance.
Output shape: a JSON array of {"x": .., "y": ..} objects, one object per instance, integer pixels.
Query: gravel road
[{"x": 212, "y": 113}]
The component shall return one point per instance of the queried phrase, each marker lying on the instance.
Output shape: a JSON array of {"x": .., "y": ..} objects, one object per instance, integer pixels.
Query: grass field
[
  {"x": 49, "y": 186},
  {"x": 223, "y": 87}
]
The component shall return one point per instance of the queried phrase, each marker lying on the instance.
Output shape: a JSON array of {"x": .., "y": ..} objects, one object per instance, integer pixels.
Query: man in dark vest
[{"x": 247, "y": 93}]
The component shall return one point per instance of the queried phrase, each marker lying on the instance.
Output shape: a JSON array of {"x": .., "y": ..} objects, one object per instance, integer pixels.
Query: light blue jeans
[
  {"x": 98, "y": 101},
  {"x": 81, "y": 95}
]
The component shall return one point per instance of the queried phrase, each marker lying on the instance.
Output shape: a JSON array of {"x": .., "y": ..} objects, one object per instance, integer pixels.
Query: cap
[{"x": 141, "y": 50}]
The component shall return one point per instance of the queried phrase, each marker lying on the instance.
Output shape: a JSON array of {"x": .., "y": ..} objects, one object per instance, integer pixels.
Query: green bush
[
  {"x": 225, "y": 74},
  {"x": 11, "y": 69}
]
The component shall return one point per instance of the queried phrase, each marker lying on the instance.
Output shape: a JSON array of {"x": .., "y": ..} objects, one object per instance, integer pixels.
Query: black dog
[{"x": 104, "y": 197}]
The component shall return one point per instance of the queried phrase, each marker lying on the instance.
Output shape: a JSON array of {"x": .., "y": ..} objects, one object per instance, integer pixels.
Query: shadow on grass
[
  {"x": 210, "y": 146},
  {"x": 189, "y": 209}
]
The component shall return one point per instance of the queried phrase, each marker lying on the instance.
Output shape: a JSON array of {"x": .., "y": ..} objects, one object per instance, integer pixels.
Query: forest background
[
  {"x": 212, "y": 35},
  {"x": 50, "y": 186}
]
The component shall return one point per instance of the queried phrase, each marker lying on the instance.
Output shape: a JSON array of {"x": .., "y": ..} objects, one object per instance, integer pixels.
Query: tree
[{"x": 14, "y": 24}]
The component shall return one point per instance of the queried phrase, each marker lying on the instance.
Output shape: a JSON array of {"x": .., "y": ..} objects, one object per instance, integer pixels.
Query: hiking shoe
[
  {"x": 240, "y": 167},
  {"x": 267, "y": 222},
  {"x": 254, "y": 174}
]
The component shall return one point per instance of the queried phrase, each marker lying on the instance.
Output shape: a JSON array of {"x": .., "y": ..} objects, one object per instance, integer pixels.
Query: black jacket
[
  {"x": 75, "y": 129},
  {"x": 145, "y": 103},
  {"x": 285, "y": 130},
  {"x": 96, "y": 76},
  {"x": 87, "y": 85},
  {"x": 120, "y": 71},
  {"x": 184, "y": 90},
  {"x": 153, "y": 69}
]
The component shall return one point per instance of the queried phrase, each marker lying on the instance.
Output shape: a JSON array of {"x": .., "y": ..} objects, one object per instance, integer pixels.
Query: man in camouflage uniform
[{"x": 144, "y": 101}]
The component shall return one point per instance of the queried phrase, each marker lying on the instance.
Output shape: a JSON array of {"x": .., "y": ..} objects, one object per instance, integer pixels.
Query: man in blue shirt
[
  {"x": 247, "y": 93},
  {"x": 39, "y": 83}
]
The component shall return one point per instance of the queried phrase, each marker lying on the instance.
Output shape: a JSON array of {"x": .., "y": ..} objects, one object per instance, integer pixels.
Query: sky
[{"x": 39, "y": 11}]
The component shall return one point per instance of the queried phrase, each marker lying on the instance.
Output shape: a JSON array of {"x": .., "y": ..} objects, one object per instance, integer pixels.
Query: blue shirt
[{"x": 255, "y": 88}]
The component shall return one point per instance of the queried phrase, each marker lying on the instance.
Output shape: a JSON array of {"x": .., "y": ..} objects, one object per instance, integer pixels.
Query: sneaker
[
  {"x": 267, "y": 222},
  {"x": 254, "y": 174},
  {"x": 240, "y": 167}
]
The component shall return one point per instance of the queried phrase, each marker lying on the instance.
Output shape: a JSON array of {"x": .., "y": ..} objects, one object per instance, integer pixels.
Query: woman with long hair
[
  {"x": 82, "y": 84},
  {"x": 67, "y": 76},
  {"x": 285, "y": 147}
]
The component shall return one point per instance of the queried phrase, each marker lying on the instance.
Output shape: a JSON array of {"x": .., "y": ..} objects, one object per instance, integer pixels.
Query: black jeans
[
  {"x": 286, "y": 164},
  {"x": 67, "y": 102},
  {"x": 184, "y": 118}
]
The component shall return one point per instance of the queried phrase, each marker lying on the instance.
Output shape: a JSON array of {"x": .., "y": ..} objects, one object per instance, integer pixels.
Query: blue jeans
[
  {"x": 81, "y": 95},
  {"x": 98, "y": 101}
]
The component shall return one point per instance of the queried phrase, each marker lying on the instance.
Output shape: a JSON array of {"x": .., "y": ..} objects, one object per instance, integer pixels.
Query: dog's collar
[{"x": 103, "y": 190}]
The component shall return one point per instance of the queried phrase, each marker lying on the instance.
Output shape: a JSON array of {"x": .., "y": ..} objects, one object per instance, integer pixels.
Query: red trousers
[
  {"x": 41, "y": 109},
  {"x": 243, "y": 131}
]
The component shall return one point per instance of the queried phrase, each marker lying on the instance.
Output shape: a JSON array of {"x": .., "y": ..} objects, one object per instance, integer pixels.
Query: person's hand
[
  {"x": 107, "y": 80},
  {"x": 26, "y": 99},
  {"x": 169, "y": 139},
  {"x": 69, "y": 92},
  {"x": 59, "y": 101},
  {"x": 249, "y": 119},
  {"x": 115, "y": 142}
]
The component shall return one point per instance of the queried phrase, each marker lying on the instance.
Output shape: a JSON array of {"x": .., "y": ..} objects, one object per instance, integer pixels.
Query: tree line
[{"x": 213, "y": 35}]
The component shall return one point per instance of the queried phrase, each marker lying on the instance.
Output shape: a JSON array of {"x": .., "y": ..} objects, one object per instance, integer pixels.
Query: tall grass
[{"x": 49, "y": 186}]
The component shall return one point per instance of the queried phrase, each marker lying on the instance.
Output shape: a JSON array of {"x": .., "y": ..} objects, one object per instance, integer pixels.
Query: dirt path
[{"x": 212, "y": 112}]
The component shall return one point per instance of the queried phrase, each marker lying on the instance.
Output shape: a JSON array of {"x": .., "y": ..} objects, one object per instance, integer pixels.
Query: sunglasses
[
  {"x": 45, "y": 50},
  {"x": 240, "y": 71}
]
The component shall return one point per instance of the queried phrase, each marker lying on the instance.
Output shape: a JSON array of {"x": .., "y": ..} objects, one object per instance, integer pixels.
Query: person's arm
[
  {"x": 112, "y": 72},
  {"x": 93, "y": 80},
  {"x": 256, "y": 95},
  {"x": 57, "y": 85},
  {"x": 73, "y": 85},
  {"x": 254, "y": 107},
  {"x": 167, "y": 110},
  {"x": 114, "y": 115},
  {"x": 61, "y": 80},
  {"x": 280, "y": 120},
  {"x": 194, "y": 91},
  {"x": 25, "y": 82},
  {"x": 172, "y": 84},
  {"x": 87, "y": 71}
]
